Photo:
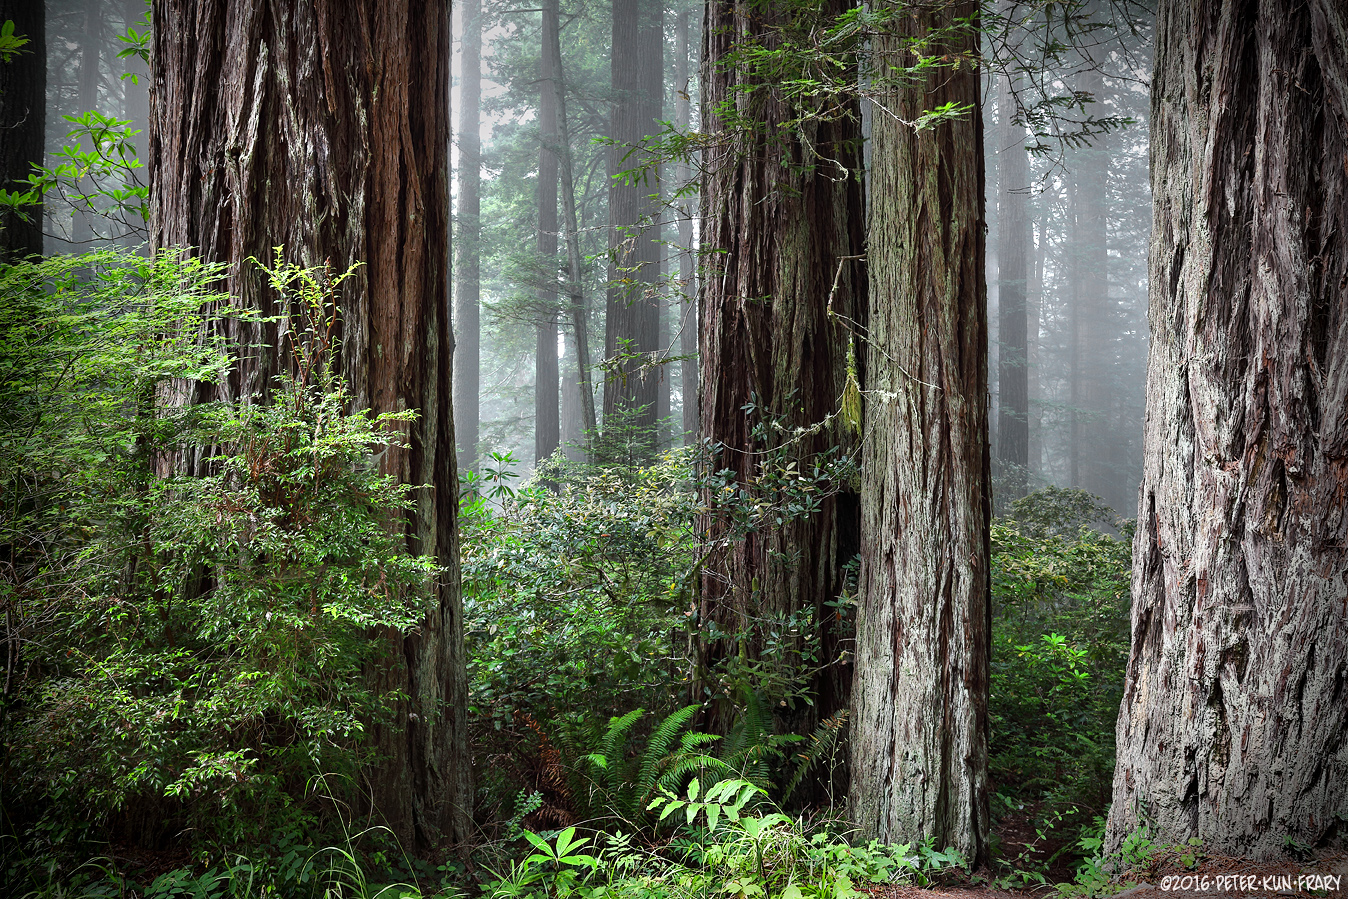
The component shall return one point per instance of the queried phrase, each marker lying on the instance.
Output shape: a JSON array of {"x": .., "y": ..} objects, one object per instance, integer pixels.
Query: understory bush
[
  {"x": 1060, "y": 647},
  {"x": 189, "y": 590}
]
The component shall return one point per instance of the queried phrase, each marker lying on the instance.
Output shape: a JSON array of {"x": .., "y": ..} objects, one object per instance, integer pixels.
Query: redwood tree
[
  {"x": 781, "y": 235},
  {"x": 1234, "y": 722},
  {"x": 632, "y": 320},
  {"x": 324, "y": 129},
  {"x": 919, "y": 700}
]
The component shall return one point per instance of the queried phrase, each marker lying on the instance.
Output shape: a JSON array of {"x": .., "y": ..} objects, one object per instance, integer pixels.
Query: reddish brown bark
[
  {"x": 782, "y": 216},
  {"x": 323, "y": 128}
]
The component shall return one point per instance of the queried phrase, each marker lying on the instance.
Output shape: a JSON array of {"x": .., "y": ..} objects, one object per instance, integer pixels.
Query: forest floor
[{"x": 1211, "y": 878}]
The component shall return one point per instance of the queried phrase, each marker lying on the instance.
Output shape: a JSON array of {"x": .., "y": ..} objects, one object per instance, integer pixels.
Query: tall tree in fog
[
  {"x": 687, "y": 322},
  {"x": 467, "y": 285},
  {"x": 23, "y": 123},
  {"x": 547, "y": 385},
  {"x": 91, "y": 38},
  {"x": 348, "y": 166},
  {"x": 1091, "y": 338},
  {"x": 919, "y": 746},
  {"x": 1013, "y": 257},
  {"x": 782, "y": 215},
  {"x": 1233, "y": 727},
  {"x": 631, "y": 335},
  {"x": 554, "y": 78}
]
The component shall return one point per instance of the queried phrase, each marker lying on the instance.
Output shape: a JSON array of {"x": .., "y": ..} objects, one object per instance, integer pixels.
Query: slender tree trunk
[
  {"x": 782, "y": 226},
  {"x": 687, "y": 320},
  {"x": 136, "y": 107},
  {"x": 1013, "y": 252},
  {"x": 23, "y": 122},
  {"x": 1234, "y": 722},
  {"x": 1034, "y": 306},
  {"x": 580, "y": 329},
  {"x": 82, "y": 232},
  {"x": 631, "y": 333},
  {"x": 919, "y": 708},
  {"x": 1092, "y": 344},
  {"x": 467, "y": 286},
  {"x": 347, "y": 165},
  {"x": 547, "y": 405}
]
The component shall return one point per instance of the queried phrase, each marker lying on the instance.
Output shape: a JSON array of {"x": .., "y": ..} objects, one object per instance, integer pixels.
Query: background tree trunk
[
  {"x": 324, "y": 129},
  {"x": 82, "y": 230},
  {"x": 23, "y": 122},
  {"x": 687, "y": 309},
  {"x": 468, "y": 286},
  {"x": 547, "y": 385},
  {"x": 1093, "y": 337},
  {"x": 632, "y": 315},
  {"x": 919, "y": 707},
  {"x": 782, "y": 216},
  {"x": 1233, "y": 722},
  {"x": 1013, "y": 256}
]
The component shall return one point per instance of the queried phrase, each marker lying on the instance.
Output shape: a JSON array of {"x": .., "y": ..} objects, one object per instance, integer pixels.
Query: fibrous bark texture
[
  {"x": 467, "y": 284},
  {"x": 23, "y": 124},
  {"x": 632, "y": 318},
  {"x": 323, "y": 128},
  {"x": 919, "y": 700},
  {"x": 1232, "y": 727},
  {"x": 782, "y": 233}
]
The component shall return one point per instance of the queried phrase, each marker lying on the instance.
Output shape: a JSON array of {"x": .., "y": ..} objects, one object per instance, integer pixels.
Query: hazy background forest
[{"x": 262, "y": 638}]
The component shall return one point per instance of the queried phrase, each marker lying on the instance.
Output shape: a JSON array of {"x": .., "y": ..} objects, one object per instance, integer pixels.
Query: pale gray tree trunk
[
  {"x": 919, "y": 700},
  {"x": 467, "y": 286},
  {"x": 1234, "y": 716}
]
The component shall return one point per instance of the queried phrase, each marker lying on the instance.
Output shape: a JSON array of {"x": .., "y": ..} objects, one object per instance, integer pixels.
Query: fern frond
[
  {"x": 821, "y": 744},
  {"x": 660, "y": 746}
]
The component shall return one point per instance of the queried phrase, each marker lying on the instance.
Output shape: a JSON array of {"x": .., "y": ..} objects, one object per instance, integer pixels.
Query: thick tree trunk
[
  {"x": 631, "y": 333},
  {"x": 324, "y": 129},
  {"x": 687, "y": 309},
  {"x": 23, "y": 122},
  {"x": 782, "y": 226},
  {"x": 1234, "y": 723},
  {"x": 919, "y": 708},
  {"x": 1013, "y": 256},
  {"x": 467, "y": 285},
  {"x": 547, "y": 386}
]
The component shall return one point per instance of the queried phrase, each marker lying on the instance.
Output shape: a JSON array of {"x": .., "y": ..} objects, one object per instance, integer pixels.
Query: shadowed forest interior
[{"x": 797, "y": 449}]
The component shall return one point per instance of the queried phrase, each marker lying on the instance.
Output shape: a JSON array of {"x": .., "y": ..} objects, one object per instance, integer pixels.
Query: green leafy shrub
[
  {"x": 191, "y": 638},
  {"x": 1060, "y": 645}
]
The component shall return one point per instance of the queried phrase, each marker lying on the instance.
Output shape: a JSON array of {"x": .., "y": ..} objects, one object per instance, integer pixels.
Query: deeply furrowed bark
[
  {"x": 323, "y": 128},
  {"x": 782, "y": 218},
  {"x": 919, "y": 700},
  {"x": 1232, "y": 728}
]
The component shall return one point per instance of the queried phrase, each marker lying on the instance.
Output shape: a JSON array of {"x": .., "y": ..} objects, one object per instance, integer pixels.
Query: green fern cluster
[{"x": 627, "y": 780}]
